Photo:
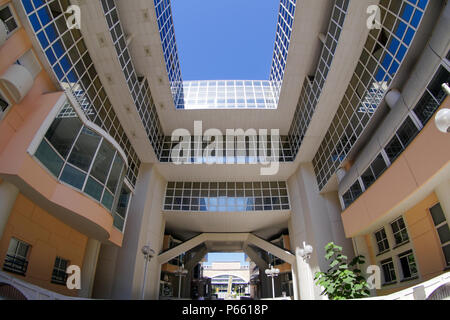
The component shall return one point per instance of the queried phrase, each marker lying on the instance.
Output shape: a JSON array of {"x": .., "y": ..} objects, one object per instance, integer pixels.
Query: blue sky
[
  {"x": 225, "y": 39},
  {"x": 226, "y": 257}
]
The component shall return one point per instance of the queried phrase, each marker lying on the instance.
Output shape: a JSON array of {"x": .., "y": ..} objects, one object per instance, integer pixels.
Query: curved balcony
[
  {"x": 69, "y": 167},
  {"x": 18, "y": 80}
]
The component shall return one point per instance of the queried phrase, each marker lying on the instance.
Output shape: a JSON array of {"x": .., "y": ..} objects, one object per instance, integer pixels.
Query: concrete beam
[
  {"x": 272, "y": 249},
  {"x": 260, "y": 262}
]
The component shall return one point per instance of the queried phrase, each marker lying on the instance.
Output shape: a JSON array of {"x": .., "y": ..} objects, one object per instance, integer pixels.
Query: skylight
[{"x": 225, "y": 40}]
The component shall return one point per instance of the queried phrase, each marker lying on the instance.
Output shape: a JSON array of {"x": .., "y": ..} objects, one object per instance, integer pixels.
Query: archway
[{"x": 8, "y": 292}]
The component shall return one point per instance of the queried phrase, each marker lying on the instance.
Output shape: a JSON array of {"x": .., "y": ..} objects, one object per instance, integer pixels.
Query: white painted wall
[
  {"x": 145, "y": 225},
  {"x": 315, "y": 219}
]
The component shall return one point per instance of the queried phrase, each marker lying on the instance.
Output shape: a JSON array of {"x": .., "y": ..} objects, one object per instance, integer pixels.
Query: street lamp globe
[
  {"x": 148, "y": 251},
  {"x": 442, "y": 120}
]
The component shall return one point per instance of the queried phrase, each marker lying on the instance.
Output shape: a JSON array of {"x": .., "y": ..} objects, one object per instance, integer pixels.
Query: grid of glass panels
[
  {"x": 72, "y": 65},
  {"x": 139, "y": 88},
  {"x": 169, "y": 46},
  {"x": 312, "y": 86},
  {"x": 240, "y": 149},
  {"x": 226, "y": 196},
  {"x": 427, "y": 105},
  {"x": 282, "y": 40},
  {"x": 80, "y": 157},
  {"x": 228, "y": 94},
  {"x": 383, "y": 53}
]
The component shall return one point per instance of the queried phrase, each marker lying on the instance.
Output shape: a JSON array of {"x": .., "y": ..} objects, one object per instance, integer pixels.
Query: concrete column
[
  {"x": 8, "y": 196},
  {"x": 443, "y": 194},
  {"x": 294, "y": 271},
  {"x": 315, "y": 219},
  {"x": 306, "y": 278},
  {"x": 89, "y": 267},
  {"x": 104, "y": 276},
  {"x": 145, "y": 226}
]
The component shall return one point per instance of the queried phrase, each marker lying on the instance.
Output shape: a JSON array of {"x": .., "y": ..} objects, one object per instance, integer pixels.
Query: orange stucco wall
[
  {"x": 425, "y": 239},
  {"x": 48, "y": 238},
  {"x": 401, "y": 180}
]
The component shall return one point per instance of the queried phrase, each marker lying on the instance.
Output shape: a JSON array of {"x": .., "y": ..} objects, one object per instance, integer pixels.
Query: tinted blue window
[
  {"x": 35, "y": 22},
  {"x": 27, "y": 5}
]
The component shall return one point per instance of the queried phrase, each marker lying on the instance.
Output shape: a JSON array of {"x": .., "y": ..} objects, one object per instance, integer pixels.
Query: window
[
  {"x": 401, "y": 139},
  {"x": 442, "y": 229},
  {"x": 4, "y": 104},
  {"x": 16, "y": 260},
  {"x": 80, "y": 157},
  {"x": 408, "y": 264},
  {"x": 122, "y": 208},
  {"x": 59, "y": 275},
  {"x": 7, "y": 16},
  {"x": 433, "y": 96},
  {"x": 382, "y": 241},
  {"x": 399, "y": 230},
  {"x": 388, "y": 271}
]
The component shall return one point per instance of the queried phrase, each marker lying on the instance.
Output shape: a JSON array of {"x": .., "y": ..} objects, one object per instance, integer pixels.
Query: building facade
[{"x": 104, "y": 149}]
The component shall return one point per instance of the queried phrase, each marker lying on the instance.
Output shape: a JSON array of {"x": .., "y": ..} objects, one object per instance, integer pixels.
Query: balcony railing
[{"x": 15, "y": 265}]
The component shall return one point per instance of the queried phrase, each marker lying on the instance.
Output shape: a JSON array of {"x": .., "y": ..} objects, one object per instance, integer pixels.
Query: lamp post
[
  {"x": 442, "y": 119},
  {"x": 148, "y": 255},
  {"x": 181, "y": 272},
  {"x": 272, "y": 273}
]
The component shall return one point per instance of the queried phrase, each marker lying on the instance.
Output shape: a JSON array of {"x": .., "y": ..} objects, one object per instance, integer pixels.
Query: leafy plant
[{"x": 343, "y": 280}]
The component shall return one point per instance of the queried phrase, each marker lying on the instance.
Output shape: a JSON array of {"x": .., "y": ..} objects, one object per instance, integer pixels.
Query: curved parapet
[
  {"x": 18, "y": 80},
  {"x": 69, "y": 167}
]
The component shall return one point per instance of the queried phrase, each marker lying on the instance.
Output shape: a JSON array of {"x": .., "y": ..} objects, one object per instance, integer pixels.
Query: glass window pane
[
  {"x": 444, "y": 233},
  {"x": 446, "y": 250},
  {"x": 49, "y": 158},
  {"x": 73, "y": 176},
  {"x": 437, "y": 214},
  {"x": 84, "y": 150},
  {"x": 63, "y": 131},
  {"x": 124, "y": 199},
  {"x": 393, "y": 149},
  {"x": 378, "y": 166},
  {"x": 115, "y": 173},
  {"x": 407, "y": 131},
  {"x": 108, "y": 199},
  {"x": 94, "y": 189},
  {"x": 103, "y": 161},
  {"x": 368, "y": 178}
]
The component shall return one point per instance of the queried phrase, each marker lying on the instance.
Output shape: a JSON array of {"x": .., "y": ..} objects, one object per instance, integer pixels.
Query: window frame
[
  {"x": 5, "y": 98},
  {"x": 436, "y": 227},
  {"x": 406, "y": 255},
  {"x": 383, "y": 240},
  {"x": 54, "y": 280},
  {"x": 18, "y": 257},
  {"x": 390, "y": 262},
  {"x": 404, "y": 241},
  {"x": 14, "y": 16}
]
